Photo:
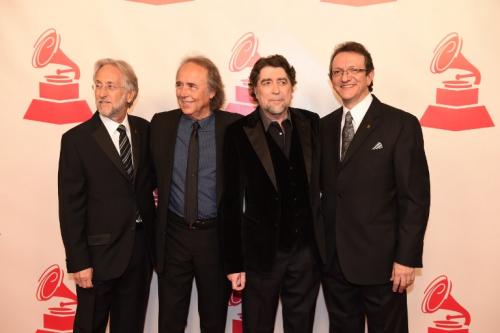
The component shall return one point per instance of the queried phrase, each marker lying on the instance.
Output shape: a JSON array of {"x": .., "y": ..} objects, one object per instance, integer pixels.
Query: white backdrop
[{"x": 461, "y": 239}]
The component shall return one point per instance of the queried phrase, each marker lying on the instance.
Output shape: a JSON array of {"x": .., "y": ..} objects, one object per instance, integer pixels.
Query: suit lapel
[
  {"x": 219, "y": 143},
  {"x": 104, "y": 141},
  {"x": 368, "y": 124},
  {"x": 167, "y": 142},
  {"x": 334, "y": 135},
  {"x": 255, "y": 133},
  {"x": 303, "y": 128},
  {"x": 136, "y": 143}
]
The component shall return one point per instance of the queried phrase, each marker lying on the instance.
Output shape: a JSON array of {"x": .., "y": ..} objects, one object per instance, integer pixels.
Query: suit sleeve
[
  {"x": 231, "y": 206},
  {"x": 413, "y": 193},
  {"x": 72, "y": 206}
]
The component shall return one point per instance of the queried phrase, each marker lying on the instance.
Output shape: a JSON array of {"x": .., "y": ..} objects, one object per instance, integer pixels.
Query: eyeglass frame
[
  {"x": 351, "y": 71},
  {"x": 109, "y": 86}
]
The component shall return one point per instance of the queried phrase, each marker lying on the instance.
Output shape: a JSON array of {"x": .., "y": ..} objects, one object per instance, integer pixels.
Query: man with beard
[
  {"x": 106, "y": 206},
  {"x": 273, "y": 235}
]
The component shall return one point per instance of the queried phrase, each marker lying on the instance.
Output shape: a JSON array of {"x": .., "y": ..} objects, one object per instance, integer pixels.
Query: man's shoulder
[
  {"x": 165, "y": 115},
  {"x": 138, "y": 122},
  {"x": 304, "y": 113},
  {"x": 226, "y": 117},
  {"x": 82, "y": 129},
  {"x": 330, "y": 117},
  {"x": 394, "y": 113}
]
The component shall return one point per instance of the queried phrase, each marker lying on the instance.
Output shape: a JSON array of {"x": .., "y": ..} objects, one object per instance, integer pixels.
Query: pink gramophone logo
[
  {"x": 438, "y": 297},
  {"x": 457, "y": 105},
  {"x": 244, "y": 55},
  {"x": 160, "y": 2},
  {"x": 235, "y": 300},
  {"x": 58, "y": 102},
  {"x": 357, "y": 2},
  {"x": 60, "y": 318}
]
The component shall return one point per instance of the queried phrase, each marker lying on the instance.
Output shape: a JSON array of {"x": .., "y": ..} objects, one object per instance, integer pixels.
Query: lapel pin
[{"x": 368, "y": 126}]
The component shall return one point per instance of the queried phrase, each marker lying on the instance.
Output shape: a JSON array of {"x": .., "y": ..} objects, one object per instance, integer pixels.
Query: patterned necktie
[
  {"x": 125, "y": 151},
  {"x": 347, "y": 134},
  {"x": 126, "y": 156},
  {"x": 191, "y": 185}
]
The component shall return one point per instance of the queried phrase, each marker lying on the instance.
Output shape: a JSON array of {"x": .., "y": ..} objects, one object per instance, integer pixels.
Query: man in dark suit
[
  {"x": 106, "y": 206},
  {"x": 273, "y": 236},
  {"x": 186, "y": 146},
  {"x": 375, "y": 200}
]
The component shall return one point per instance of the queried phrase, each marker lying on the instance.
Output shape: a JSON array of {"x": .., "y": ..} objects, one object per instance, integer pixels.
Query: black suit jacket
[
  {"x": 97, "y": 200},
  {"x": 163, "y": 136},
  {"x": 251, "y": 205},
  {"x": 375, "y": 202}
]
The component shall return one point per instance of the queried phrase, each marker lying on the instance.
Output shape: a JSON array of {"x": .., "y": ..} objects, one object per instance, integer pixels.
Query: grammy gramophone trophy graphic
[
  {"x": 58, "y": 101},
  {"x": 244, "y": 55},
  {"x": 57, "y": 319},
  {"x": 456, "y": 107},
  {"x": 438, "y": 298},
  {"x": 235, "y": 300}
]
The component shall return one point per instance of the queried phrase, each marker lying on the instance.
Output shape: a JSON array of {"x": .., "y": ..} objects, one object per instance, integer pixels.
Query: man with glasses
[
  {"x": 375, "y": 201},
  {"x": 106, "y": 206}
]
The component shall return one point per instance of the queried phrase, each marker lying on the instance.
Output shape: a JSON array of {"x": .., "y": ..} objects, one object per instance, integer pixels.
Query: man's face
[
  {"x": 111, "y": 96},
  {"x": 274, "y": 91},
  {"x": 192, "y": 91},
  {"x": 351, "y": 87}
]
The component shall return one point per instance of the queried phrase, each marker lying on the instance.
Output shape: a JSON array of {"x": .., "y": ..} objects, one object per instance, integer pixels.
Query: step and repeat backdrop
[{"x": 438, "y": 60}]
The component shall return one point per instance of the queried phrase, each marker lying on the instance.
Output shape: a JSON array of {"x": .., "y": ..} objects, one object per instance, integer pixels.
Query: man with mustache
[
  {"x": 273, "y": 236},
  {"x": 375, "y": 200},
  {"x": 106, "y": 206}
]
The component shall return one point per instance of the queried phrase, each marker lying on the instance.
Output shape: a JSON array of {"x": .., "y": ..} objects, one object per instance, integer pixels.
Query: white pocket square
[{"x": 378, "y": 146}]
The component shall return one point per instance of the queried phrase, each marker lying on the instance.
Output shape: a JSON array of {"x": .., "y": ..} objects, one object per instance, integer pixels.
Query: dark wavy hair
[{"x": 273, "y": 61}]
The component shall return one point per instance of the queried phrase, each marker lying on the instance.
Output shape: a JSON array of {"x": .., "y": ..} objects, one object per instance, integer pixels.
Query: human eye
[
  {"x": 337, "y": 72},
  {"x": 111, "y": 86}
]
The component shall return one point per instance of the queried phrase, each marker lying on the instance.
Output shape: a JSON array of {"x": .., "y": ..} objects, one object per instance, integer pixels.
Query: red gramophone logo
[
  {"x": 457, "y": 105},
  {"x": 58, "y": 102},
  {"x": 160, "y": 2},
  {"x": 438, "y": 297},
  {"x": 357, "y": 2},
  {"x": 235, "y": 300},
  {"x": 60, "y": 318},
  {"x": 244, "y": 55}
]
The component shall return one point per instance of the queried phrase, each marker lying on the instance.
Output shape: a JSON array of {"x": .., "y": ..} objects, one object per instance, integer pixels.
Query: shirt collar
[
  {"x": 266, "y": 121},
  {"x": 112, "y": 125},
  {"x": 359, "y": 110},
  {"x": 203, "y": 123}
]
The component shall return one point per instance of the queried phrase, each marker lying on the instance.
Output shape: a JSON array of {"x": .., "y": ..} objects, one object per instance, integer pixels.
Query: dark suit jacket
[
  {"x": 163, "y": 136},
  {"x": 97, "y": 200},
  {"x": 375, "y": 203},
  {"x": 251, "y": 205}
]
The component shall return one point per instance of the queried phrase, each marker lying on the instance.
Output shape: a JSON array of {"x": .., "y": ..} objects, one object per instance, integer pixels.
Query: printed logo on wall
[
  {"x": 438, "y": 297},
  {"x": 357, "y": 2},
  {"x": 457, "y": 105},
  {"x": 58, "y": 103},
  {"x": 244, "y": 55},
  {"x": 159, "y": 2},
  {"x": 58, "y": 319},
  {"x": 235, "y": 300}
]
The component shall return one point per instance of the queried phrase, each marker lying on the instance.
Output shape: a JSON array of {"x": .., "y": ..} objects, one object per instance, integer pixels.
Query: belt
[{"x": 199, "y": 224}]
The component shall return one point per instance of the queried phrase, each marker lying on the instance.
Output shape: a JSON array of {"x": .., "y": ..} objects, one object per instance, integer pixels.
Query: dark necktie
[
  {"x": 126, "y": 156},
  {"x": 191, "y": 186},
  {"x": 125, "y": 151},
  {"x": 347, "y": 134}
]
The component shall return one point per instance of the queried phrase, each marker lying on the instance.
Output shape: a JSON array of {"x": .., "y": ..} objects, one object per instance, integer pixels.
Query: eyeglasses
[
  {"x": 351, "y": 71},
  {"x": 108, "y": 86}
]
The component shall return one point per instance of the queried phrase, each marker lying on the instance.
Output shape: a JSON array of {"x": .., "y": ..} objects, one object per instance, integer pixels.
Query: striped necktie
[{"x": 125, "y": 151}]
